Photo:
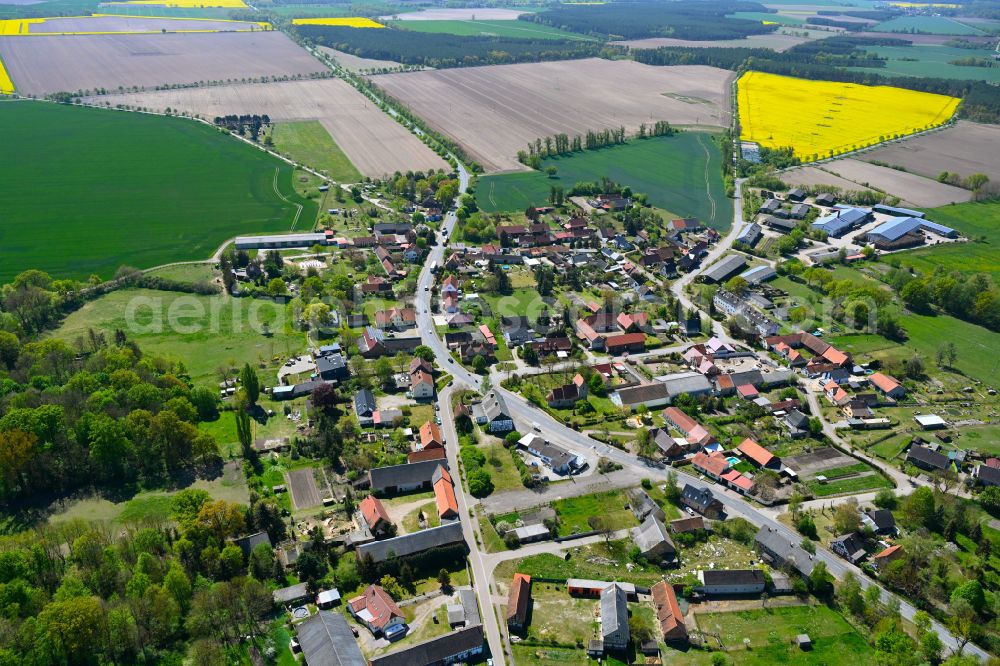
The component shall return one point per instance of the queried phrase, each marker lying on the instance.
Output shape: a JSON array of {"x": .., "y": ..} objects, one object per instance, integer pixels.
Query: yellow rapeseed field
[
  {"x": 344, "y": 22},
  {"x": 819, "y": 119},
  {"x": 6, "y": 85},
  {"x": 187, "y": 4},
  {"x": 9, "y": 27}
]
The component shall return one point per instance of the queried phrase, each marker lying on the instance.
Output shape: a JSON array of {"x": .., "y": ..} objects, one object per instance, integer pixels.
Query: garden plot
[
  {"x": 43, "y": 65},
  {"x": 302, "y": 485},
  {"x": 375, "y": 143},
  {"x": 547, "y": 98}
]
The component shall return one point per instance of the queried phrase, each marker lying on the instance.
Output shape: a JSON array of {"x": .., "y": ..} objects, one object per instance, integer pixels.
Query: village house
[
  {"x": 849, "y": 546},
  {"x": 377, "y": 611},
  {"x": 687, "y": 525},
  {"x": 702, "y": 501},
  {"x": 430, "y": 437},
  {"x": 444, "y": 494},
  {"x": 364, "y": 407},
  {"x": 421, "y": 385},
  {"x": 653, "y": 541},
  {"x": 402, "y": 478},
  {"x": 326, "y": 638},
  {"x": 567, "y": 395},
  {"x": 887, "y": 386},
  {"x": 518, "y": 603},
  {"x": 668, "y": 613},
  {"x": 447, "y": 534},
  {"x": 884, "y": 558},
  {"x": 396, "y": 318},
  {"x": 375, "y": 517},
  {"x": 758, "y": 455},
  {"x": 926, "y": 459},
  {"x": 492, "y": 413}
]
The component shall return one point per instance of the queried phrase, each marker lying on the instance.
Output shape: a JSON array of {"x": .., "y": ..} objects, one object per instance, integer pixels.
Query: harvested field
[
  {"x": 851, "y": 174},
  {"x": 810, "y": 175},
  {"x": 302, "y": 486},
  {"x": 138, "y": 24},
  {"x": 375, "y": 143},
  {"x": 964, "y": 149},
  {"x": 43, "y": 65},
  {"x": 353, "y": 63},
  {"x": 546, "y": 98},
  {"x": 914, "y": 190},
  {"x": 457, "y": 14}
]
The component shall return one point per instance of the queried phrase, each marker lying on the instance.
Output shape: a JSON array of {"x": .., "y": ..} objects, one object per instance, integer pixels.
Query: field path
[
  {"x": 298, "y": 207},
  {"x": 708, "y": 179}
]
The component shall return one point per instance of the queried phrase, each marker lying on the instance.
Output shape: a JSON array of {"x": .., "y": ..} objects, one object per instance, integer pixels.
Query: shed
[{"x": 804, "y": 642}]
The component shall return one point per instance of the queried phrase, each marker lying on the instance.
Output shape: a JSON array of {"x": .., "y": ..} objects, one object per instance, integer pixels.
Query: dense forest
[
  {"x": 832, "y": 59},
  {"x": 444, "y": 50},
  {"x": 686, "y": 19}
]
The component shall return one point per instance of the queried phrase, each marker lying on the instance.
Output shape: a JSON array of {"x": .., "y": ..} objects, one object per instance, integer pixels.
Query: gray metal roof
[
  {"x": 404, "y": 475},
  {"x": 784, "y": 550},
  {"x": 434, "y": 651},
  {"x": 651, "y": 535},
  {"x": 467, "y": 597},
  {"x": 417, "y": 542},
  {"x": 725, "y": 268},
  {"x": 687, "y": 382},
  {"x": 326, "y": 639},
  {"x": 290, "y": 593},
  {"x": 614, "y": 610}
]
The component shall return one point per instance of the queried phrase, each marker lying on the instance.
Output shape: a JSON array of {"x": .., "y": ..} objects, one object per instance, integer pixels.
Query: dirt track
[
  {"x": 495, "y": 111},
  {"x": 47, "y": 64},
  {"x": 375, "y": 143}
]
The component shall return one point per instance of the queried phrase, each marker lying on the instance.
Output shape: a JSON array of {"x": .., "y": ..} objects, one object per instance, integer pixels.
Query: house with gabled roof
[
  {"x": 887, "y": 386},
  {"x": 430, "y": 436},
  {"x": 326, "y": 638},
  {"x": 567, "y": 395},
  {"x": 614, "y": 618},
  {"x": 377, "y": 611},
  {"x": 701, "y": 500},
  {"x": 374, "y": 515},
  {"x": 668, "y": 613},
  {"x": 518, "y": 602},
  {"x": 444, "y": 494},
  {"x": 758, "y": 455},
  {"x": 926, "y": 459},
  {"x": 884, "y": 558}
]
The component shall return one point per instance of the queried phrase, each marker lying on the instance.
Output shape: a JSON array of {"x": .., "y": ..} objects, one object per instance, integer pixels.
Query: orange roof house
[
  {"x": 430, "y": 436},
  {"x": 758, "y": 454},
  {"x": 374, "y": 514},
  {"x": 518, "y": 601},
  {"x": 714, "y": 465},
  {"x": 375, "y": 608},
  {"x": 668, "y": 613},
  {"x": 444, "y": 494}
]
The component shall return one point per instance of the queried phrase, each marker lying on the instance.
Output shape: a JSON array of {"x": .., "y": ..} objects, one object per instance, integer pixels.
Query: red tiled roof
[
  {"x": 755, "y": 452},
  {"x": 834, "y": 356},
  {"x": 684, "y": 422},
  {"x": 430, "y": 436},
  {"x": 715, "y": 465},
  {"x": 626, "y": 340},
  {"x": 426, "y": 454},
  {"x": 888, "y": 552},
  {"x": 519, "y": 597},
  {"x": 747, "y": 391},
  {"x": 373, "y": 511},
  {"x": 444, "y": 495},
  {"x": 668, "y": 612},
  {"x": 379, "y": 604},
  {"x": 883, "y": 382},
  {"x": 738, "y": 480}
]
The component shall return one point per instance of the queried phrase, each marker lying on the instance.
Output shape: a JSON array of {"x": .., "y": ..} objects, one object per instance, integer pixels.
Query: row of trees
[{"x": 251, "y": 124}]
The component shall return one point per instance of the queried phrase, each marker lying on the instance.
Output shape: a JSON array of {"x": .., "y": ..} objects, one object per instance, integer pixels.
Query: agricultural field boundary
[{"x": 22, "y": 27}]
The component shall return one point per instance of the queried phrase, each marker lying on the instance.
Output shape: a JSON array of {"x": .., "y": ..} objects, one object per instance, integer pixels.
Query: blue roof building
[
  {"x": 839, "y": 223},
  {"x": 896, "y": 212},
  {"x": 758, "y": 274},
  {"x": 750, "y": 235},
  {"x": 902, "y": 232}
]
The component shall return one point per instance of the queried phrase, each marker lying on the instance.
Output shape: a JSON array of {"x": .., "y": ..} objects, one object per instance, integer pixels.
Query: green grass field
[
  {"x": 309, "y": 143},
  {"x": 935, "y": 25},
  {"x": 978, "y": 221},
  {"x": 86, "y": 190},
  {"x": 681, "y": 174},
  {"x": 204, "y": 332},
  {"x": 575, "y": 512},
  {"x": 514, "y": 28},
  {"x": 932, "y": 61},
  {"x": 783, "y": 19},
  {"x": 772, "y": 633}
]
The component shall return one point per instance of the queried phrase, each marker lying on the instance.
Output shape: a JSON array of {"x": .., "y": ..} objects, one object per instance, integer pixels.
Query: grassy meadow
[
  {"x": 934, "y": 25},
  {"x": 87, "y": 190},
  {"x": 680, "y": 174},
  {"x": 309, "y": 143},
  {"x": 979, "y": 222},
  {"x": 932, "y": 61},
  {"x": 204, "y": 332}
]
